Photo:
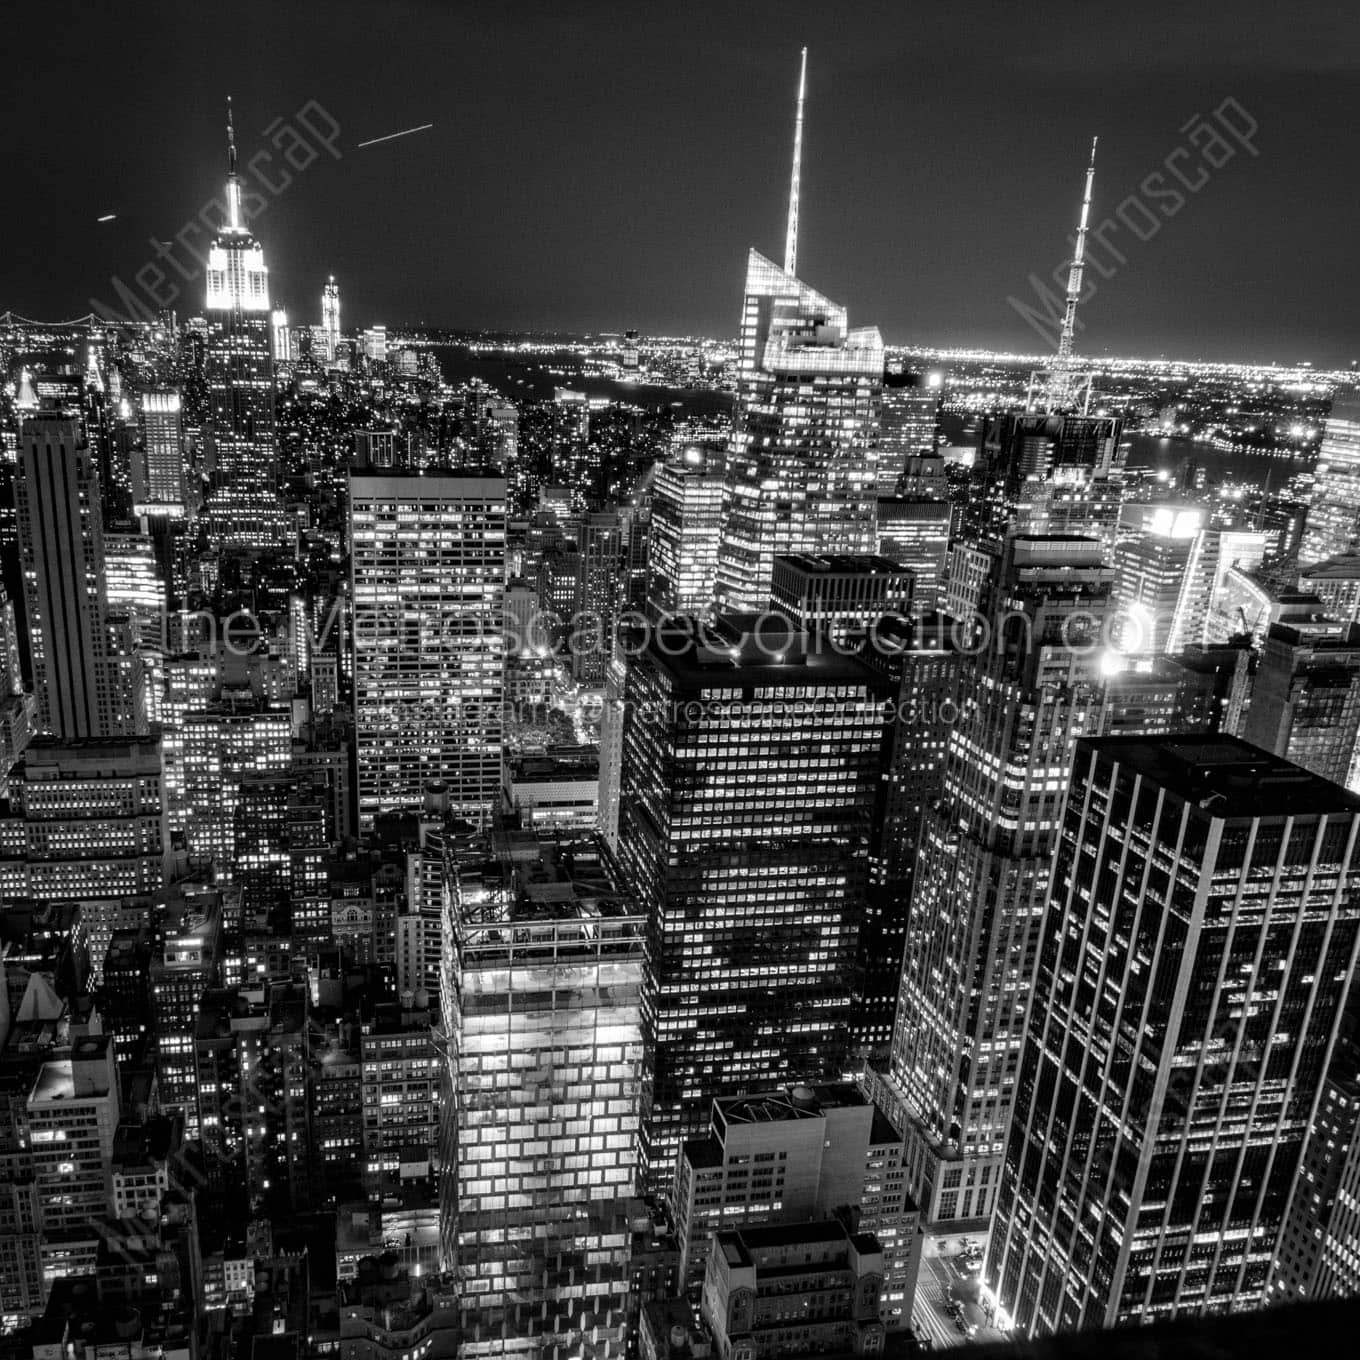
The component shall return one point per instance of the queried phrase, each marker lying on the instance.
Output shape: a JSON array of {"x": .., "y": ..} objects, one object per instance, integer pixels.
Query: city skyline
[{"x": 556, "y": 171}]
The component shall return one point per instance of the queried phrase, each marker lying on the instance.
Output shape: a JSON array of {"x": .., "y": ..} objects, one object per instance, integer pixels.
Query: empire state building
[{"x": 243, "y": 509}]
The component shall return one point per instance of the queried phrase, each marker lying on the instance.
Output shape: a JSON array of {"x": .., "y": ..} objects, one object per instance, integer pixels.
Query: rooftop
[{"x": 1226, "y": 776}]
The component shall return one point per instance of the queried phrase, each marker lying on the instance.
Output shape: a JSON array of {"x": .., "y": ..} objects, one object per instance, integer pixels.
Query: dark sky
[{"x": 597, "y": 166}]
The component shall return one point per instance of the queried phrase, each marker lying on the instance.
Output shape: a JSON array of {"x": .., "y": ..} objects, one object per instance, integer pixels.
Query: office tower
[
  {"x": 924, "y": 664},
  {"x": 598, "y": 596},
  {"x": 243, "y": 508},
  {"x": 840, "y": 597},
  {"x": 88, "y": 828},
  {"x": 158, "y": 465},
  {"x": 542, "y": 1022},
  {"x": 18, "y": 709},
  {"x": 1333, "y": 524},
  {"x": 982, "y": 874},
  {"x": 686, "y": 526},
  {"x": 374, "y": 341},
  {"x": 1214, "y": 554},
  {"x": 73, "y": 1114},
  {"x": 1336, "y": 582},
  {"x": 628, "y": 352},
  {"x": 790, "y": 1156},
  {"x": 1047, "y": 472},
  {"x": 1194, "y": 958},
  {"x": 1305, "y": 702},
  {"x": 254, "y": 1074},
  {"x": 190, "y": 961},
  {"x": 134, "y": 590},
  {"x": 908, "y": 423},
  {"x": 219, "y": 744},
  {"x": 801, "y": 475},
  {"x": 283, "y": 835},
  {"x": 61, "y": 542},
  {"x": 1152, "y": 569},
  {"x": 280, "y": 337},
  {"x": 330, "y": 319},
  {"x": 401, "y": 1078},
  {"x": 749, "y": 773},
  {"x": 1202, "y": 690},
  {"x": 797, "y": 1289},
  {"x": 915, "y": 532},
  {"x": 427, "y": 556}
]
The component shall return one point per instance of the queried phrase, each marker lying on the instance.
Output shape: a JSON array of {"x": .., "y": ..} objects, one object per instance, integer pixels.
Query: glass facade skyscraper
[
  {"x": 802, "y": 471},
  {"x": 1333, "y": 525}
]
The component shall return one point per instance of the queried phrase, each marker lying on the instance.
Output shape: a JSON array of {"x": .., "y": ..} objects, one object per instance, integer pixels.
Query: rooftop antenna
[
  {"x": 233, "y": 185},
  {"x": 791, "y": 240},
  {"x": 1060, "y": 387}
]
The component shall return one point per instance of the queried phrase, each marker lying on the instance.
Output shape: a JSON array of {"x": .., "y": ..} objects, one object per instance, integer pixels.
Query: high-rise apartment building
[
  {"x": 1333, "y": 524},
  {"x": 802, "y": 473},
  {"x": 61, "y": 543},
  {"x": 427, "y": 554},
  {"x": 749, "y": 774},
  {"x": 1194, "y": 958},
  {"x": 542, "y": 1022}
]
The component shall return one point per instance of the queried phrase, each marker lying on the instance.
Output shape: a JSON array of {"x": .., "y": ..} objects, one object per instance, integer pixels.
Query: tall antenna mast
[
  {"x": 791, "y": 240},
  {"x": 233, "y": 185},
  {"x": 1074, "y": 273},
  {"x": 1057, "y": 386}
]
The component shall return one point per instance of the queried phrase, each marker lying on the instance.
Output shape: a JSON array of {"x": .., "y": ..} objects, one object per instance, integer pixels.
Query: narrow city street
[{"x": 944, "y": 1279}]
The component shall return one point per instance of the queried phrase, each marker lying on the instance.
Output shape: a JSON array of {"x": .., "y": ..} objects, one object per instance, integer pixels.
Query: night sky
[{"x": 596, "y": 166}]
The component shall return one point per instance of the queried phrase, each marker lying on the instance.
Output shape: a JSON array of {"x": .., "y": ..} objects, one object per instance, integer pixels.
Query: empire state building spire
[{"x": 233, "y": 222}]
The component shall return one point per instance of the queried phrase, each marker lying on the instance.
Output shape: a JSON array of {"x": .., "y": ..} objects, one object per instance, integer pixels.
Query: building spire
[
  {"x": 791, "y": 239},
  {"x": 234, "y": 222},
  {"x": 1076, "y": 269}
]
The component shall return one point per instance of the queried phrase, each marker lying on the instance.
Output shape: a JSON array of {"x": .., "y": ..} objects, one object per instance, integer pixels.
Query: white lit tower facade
[
  {"x": 330, "y": 318},
  {"x": 1333, "y": 525},
  {"x": 427, "y": 554},
  {"x": 802, "y": 474},
  {"x": 243, "y": 507}
]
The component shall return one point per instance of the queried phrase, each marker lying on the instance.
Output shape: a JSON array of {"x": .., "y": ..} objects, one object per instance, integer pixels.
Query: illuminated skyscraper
[
  {"x": 1305, "y": 703},
  {"x": 749, "y": 775},
  {"x": 982, "y": 875},
  {"x": 1333, "y": 525},
  {"x": 158, "y": 466},
  {"x": 542, "y": 1019},
  {"x": 908, "y": 424},
  {"x": 243, "y": 507},
  {"x": 330, "y": 317},
  {"x": 427, "y": 555},
  {"x": 61, "y": 543},
  {"x": 686, "y": 525},
  {"x": 1194, "y": 956},
  {"x": 801, "y": 473}
]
